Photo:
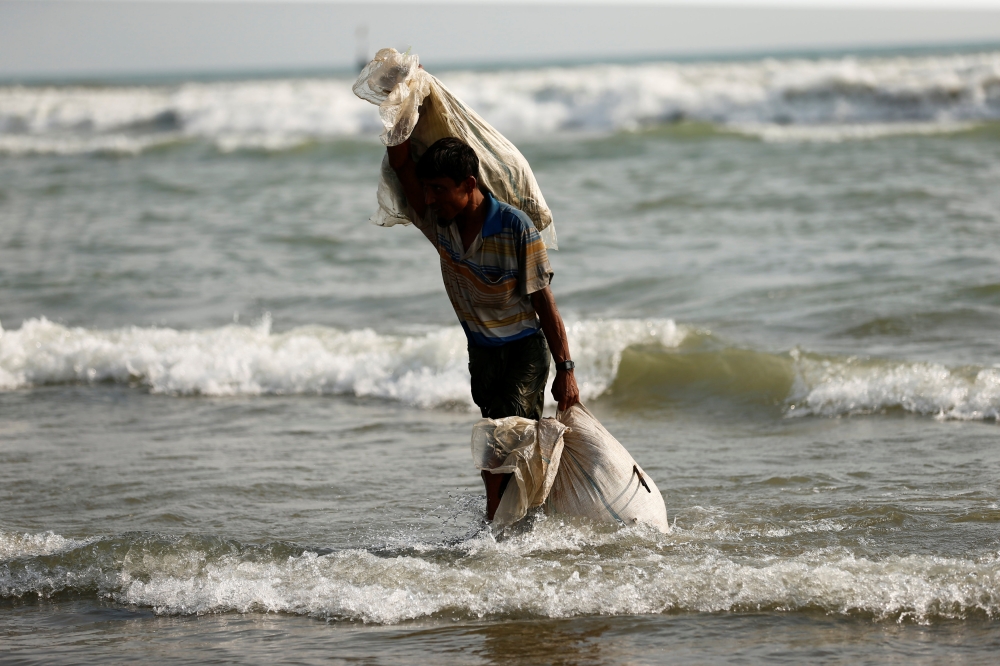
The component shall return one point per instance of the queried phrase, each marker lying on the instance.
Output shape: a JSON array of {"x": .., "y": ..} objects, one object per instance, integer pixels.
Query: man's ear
[{"x": 469, "y": 185}]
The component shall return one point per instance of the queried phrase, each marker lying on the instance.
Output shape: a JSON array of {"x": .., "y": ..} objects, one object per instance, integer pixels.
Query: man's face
[{"x": 446, "y": 198}]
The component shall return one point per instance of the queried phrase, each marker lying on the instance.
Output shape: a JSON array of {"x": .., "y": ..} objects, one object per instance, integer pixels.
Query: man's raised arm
[{"x": 406, "y": 170}]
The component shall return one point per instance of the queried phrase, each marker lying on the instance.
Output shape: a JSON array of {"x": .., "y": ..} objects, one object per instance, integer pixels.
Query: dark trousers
[{"x": 510, "y": 380}]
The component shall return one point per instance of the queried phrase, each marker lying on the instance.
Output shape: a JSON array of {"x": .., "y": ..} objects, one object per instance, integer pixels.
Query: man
[{"x": 497, "y": 275}]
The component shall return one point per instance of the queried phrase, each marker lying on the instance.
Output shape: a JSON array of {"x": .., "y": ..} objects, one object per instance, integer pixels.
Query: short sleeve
[{"x": 534, "y": 270}]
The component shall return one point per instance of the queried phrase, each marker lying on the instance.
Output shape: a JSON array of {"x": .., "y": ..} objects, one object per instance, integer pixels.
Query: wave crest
[
  {"x": 633, "y": 361},
  {"x": 426, "y": 370},
  {"x": 829, "y": 387},
  {"x": 828, "y": 99},
  {"x": 804, "y": 384}
]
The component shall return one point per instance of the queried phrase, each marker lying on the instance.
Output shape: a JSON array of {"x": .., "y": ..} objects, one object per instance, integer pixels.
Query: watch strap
[{"x": 565, "y": 365}]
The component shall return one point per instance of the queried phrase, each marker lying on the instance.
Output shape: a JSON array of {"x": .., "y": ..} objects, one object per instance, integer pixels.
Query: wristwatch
[{"x": 565, "y": 365}]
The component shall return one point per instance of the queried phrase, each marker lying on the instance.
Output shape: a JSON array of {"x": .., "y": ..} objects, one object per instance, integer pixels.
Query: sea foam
[
  {"x": 26, "y": 544},
  {"x": 554, "y": 570},
  {"x": 426, "y": 370},
  {"x": 835, "y": 387},
  {"x": 826, "y": 99}
]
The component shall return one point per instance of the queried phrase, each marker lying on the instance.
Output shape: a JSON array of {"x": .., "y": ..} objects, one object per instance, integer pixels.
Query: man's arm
[
  {"x": 564, "y": 389},
  {"x": 406, "y": 170}
]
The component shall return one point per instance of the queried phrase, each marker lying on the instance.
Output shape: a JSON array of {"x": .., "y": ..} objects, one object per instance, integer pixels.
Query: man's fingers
[{"x": 566, "y": 392}]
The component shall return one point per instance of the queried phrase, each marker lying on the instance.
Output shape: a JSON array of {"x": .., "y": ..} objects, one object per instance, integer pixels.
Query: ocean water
[{"x": 235, "y": 417}]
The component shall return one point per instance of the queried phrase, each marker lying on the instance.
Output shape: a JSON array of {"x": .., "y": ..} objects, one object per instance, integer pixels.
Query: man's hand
[{"x": 564, "y": 389}]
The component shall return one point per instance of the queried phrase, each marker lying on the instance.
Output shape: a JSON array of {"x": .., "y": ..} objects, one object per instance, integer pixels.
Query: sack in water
[
  {"x": 571, "y": 466},
  {"x": 415, "y": 105}
]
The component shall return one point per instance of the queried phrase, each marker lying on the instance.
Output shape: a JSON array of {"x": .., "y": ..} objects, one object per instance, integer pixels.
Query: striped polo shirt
[{"x": 490, "y": 284}]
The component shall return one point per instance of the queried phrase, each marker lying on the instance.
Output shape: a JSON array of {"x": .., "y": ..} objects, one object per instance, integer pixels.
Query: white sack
[
  {"x": 395, "y": 83},
  {"x": 597, "y": 477},
  {"x": 571, "y": 466}
]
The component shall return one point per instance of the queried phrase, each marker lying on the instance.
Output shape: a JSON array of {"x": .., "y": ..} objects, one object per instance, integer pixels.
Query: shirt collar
[{"x": 493, "y": 224}]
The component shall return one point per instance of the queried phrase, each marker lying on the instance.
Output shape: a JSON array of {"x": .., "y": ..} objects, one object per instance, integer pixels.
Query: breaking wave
[
  {"x": 832, "y": 387},
  {"x": 829, "y": 99},
  {"x": 807, "y": 384},
  {"x": 554, "y": 570},
  {"x": 632, "y": 361},
  {"x": 426, "y": 370}
]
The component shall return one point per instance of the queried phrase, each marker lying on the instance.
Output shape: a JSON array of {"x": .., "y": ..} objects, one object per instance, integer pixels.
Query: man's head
[{"x": 449, "y": 172}]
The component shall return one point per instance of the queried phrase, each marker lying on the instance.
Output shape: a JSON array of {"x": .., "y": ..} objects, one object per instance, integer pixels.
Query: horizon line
[{"x": 165, "y": 77}]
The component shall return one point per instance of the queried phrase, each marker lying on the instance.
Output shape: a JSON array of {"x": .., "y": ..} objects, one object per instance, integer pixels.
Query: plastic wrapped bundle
[
  {"x": 530, "y": 450},
  {"x": 571, "y": 466},
  {"x": 415, "y": 105}
]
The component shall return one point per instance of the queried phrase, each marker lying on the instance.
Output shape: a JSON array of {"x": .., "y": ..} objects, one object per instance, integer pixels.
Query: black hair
[{"x": 449, "y": 157}]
